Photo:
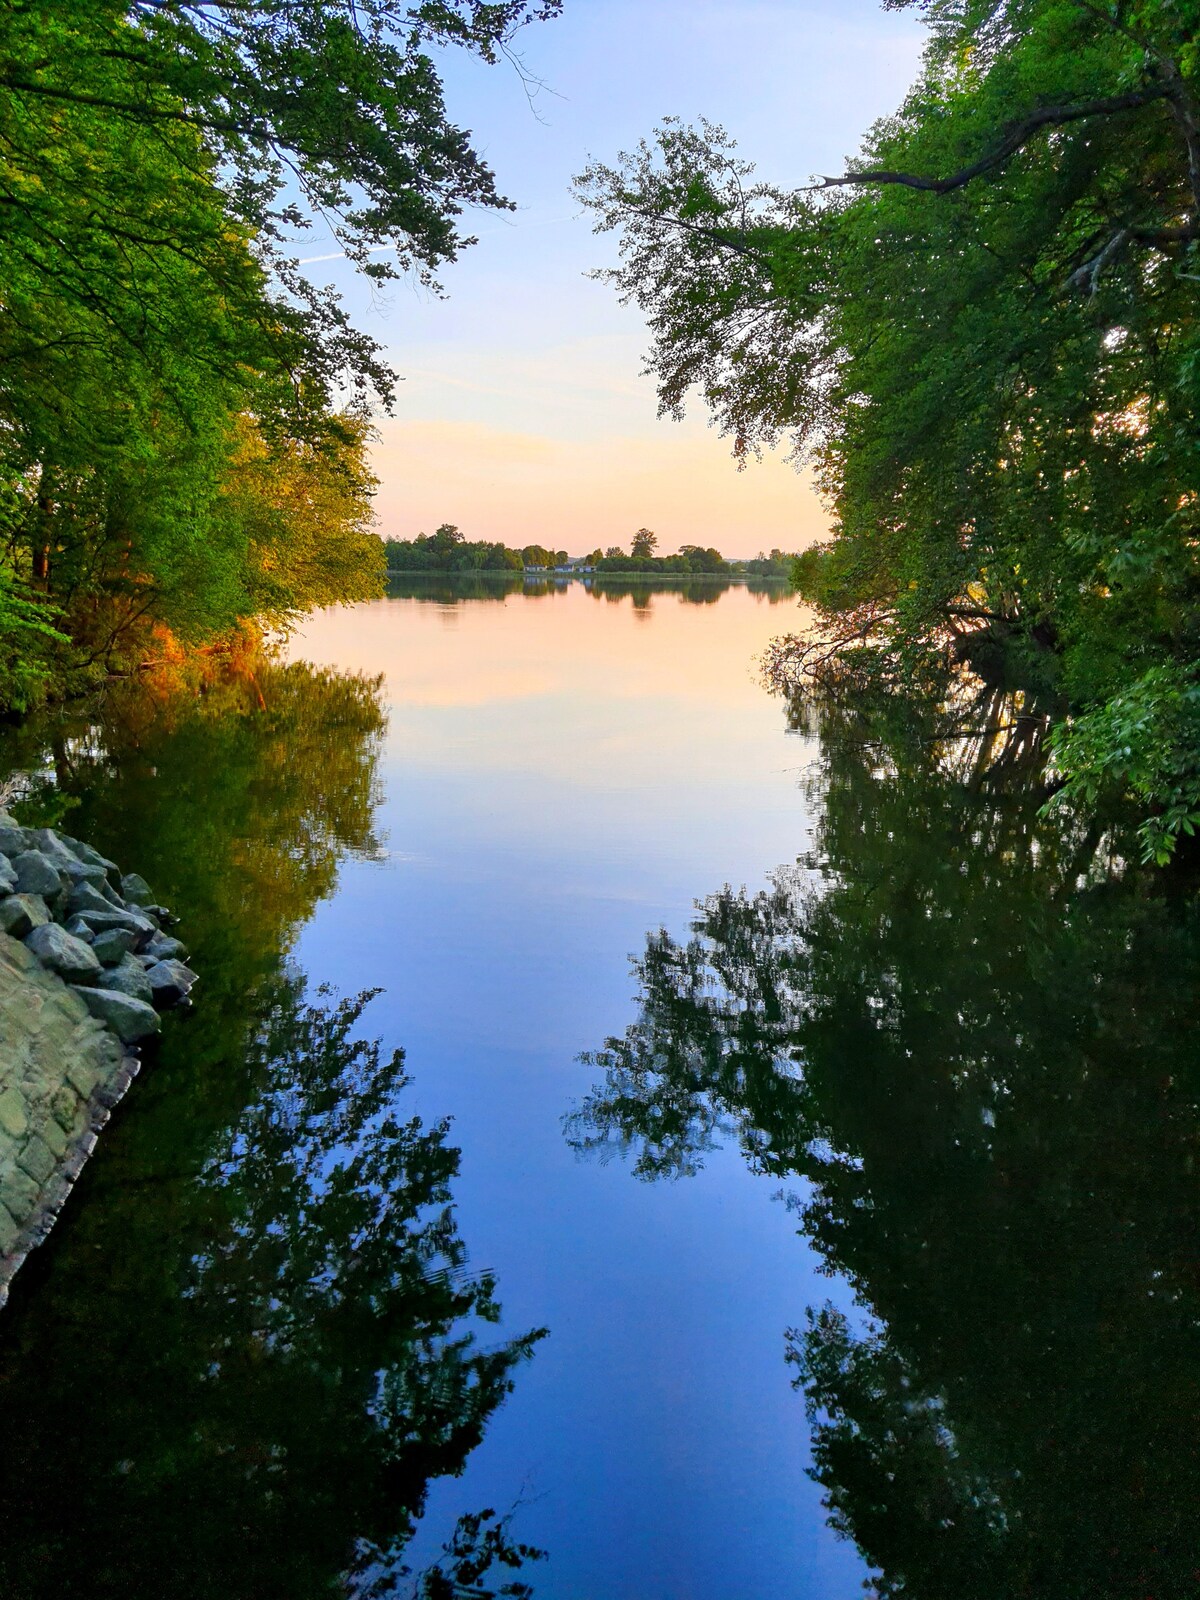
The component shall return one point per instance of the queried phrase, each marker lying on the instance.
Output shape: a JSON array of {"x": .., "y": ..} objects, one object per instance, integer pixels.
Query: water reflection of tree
[
  {"x": 303, "y": 1359},
  {"x": 453, "y": 590},
  {"x": 971, "y": 1035},
  {"x": 252, "y": 1339}
]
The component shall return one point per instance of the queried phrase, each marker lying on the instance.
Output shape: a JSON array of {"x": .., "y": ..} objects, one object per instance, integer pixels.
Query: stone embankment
[{"x": 86, "y": 965}]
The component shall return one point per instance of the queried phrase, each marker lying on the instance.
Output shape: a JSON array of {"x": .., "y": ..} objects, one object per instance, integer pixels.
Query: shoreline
[{"x": 592, "y": 577}]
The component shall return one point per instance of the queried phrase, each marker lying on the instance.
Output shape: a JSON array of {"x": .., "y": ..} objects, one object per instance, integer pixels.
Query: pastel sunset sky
[{"x": 522, "y": 415}]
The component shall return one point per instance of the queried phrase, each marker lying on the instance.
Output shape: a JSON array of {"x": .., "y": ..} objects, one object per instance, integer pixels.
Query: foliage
[
  {"x": 29, "y": 643},
  {"x": 537, "y": 555},
  {"x": 1145, "y": 739},
  {"x": 778, "y": 564},
  {"x": 263, "y": 1307},
  {"x": 960, "y": 1034},
  {"x": 690, "y": 558},
  {"x": 448, "y": 551},
  {"x": 290, "y": 495},
  {"x": 182, "y": 415},
  {"x": 984, "y": 334}
]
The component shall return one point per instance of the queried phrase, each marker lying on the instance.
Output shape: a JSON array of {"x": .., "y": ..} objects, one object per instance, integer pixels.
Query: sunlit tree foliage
[{"x": 984, "y": 335}]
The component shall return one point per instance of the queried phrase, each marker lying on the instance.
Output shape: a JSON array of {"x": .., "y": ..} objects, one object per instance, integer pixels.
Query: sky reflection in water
[{"x": 562, "y": 774}]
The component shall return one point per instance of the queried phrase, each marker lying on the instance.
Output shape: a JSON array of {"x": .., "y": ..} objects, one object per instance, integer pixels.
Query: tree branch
[{"x": 1016, "y": 135}]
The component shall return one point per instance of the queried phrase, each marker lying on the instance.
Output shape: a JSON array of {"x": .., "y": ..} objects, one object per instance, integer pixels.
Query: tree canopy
[
  {"x": 984, "y": 335},
  {"x": 183, "y": 416}
]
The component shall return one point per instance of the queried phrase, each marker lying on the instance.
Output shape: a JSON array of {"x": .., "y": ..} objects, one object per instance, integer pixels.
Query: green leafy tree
[
  {"x": 161, "y": 354},
  {"x": 984, "y": 335},
  {"x": 644, "y": 544}
]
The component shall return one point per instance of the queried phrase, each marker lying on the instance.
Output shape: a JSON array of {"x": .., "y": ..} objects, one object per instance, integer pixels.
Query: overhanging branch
[{"x": 1015, "y": 136}]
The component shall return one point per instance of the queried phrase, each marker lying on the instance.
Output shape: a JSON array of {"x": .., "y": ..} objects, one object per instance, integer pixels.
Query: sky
[{"x": 523, "y": 415}]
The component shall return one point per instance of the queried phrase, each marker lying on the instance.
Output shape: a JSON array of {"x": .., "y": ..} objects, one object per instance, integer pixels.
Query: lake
[{"x": 897, "y": 1113}]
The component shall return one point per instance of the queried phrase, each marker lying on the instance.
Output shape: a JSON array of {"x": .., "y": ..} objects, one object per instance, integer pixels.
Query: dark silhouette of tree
[
  {"x": 254, "y": 1337},
  {"x": 965, "y": 1034},
  {"x": 254, "y": 1394}
]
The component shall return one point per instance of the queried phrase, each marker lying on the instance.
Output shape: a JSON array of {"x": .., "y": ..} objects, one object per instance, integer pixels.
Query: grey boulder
[
  {"x": 8, "y": 876},
  {"x": 13, "y": 838},
  {"x": 37, "y": 874},
  {"x": 77, "y": 872},
  {"x": 141, "y": 927},
  {"x": 170, "y": 982},
  {"x": 89, "y": 856},
  {"x": 69, "y": 957},
  {"x": 112, "y": 944},
  {"x": 49, "y": 843},
  {"x": 129, "y": 1018},
  {"x": 79, "y": 929},
  {"x": 21, "y": 913},
  {"x": 164, "y": 948},
  {"x": 85, "y": 897},
  {"x": 136, "y": 890},
  {"x": 129, "y": 977}
]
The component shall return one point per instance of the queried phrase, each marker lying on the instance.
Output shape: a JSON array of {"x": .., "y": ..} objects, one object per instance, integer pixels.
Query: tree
[
  {"x": 701, "y": 559},
  {"x": 339, "y": 100},
  {"x": 283, "y": 1352},
  {"x": 959, "y": 1033},
  {"x": 305, "y": 1360},
  {"x": 644, "y": 544},
  {"x": 161, "y": 356},
  {"x": 984, "y": 335}
]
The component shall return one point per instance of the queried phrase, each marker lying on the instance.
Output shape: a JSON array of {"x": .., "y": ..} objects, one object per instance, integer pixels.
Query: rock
[
  {"x": 112, "y": 944},
  {"x": 21, "y": 913},
  {"x": 69, "y": 957},
  {"x": 129, "y": 1019},
  {"x": 170, "y": 982},
  {"x": 136, "y": 890},
  {"x": 141, "y": 927},
  {"x": 77, "y": 872},
  {"x": 37, "y": 874},
  {"x": 129, "y": 977},
  {"x": 49, "y": 843},
  {"x": 89, "y": 857},
  {"x": 13, "y": 838},
  {"x": 13, "y": 1113},
  {"x": 86, "y": 897},
  {"x": 163, "y": 948},
  {"x": 8, "y": 876},
  {"x": 160, "y": 914},
  {"x": 78, "y": 929}
]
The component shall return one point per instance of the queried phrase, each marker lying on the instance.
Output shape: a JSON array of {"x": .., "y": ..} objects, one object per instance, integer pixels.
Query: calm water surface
[{"x": 900, "y": 1122}]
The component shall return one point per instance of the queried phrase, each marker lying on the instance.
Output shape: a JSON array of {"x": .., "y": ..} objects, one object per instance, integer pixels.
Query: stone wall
[
  {"x": 61, "y": 1072},
  {"x": 86, "y": 965}
]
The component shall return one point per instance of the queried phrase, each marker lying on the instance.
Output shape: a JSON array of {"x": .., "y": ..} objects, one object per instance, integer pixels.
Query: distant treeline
[{"x": 448, "y": 551}]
